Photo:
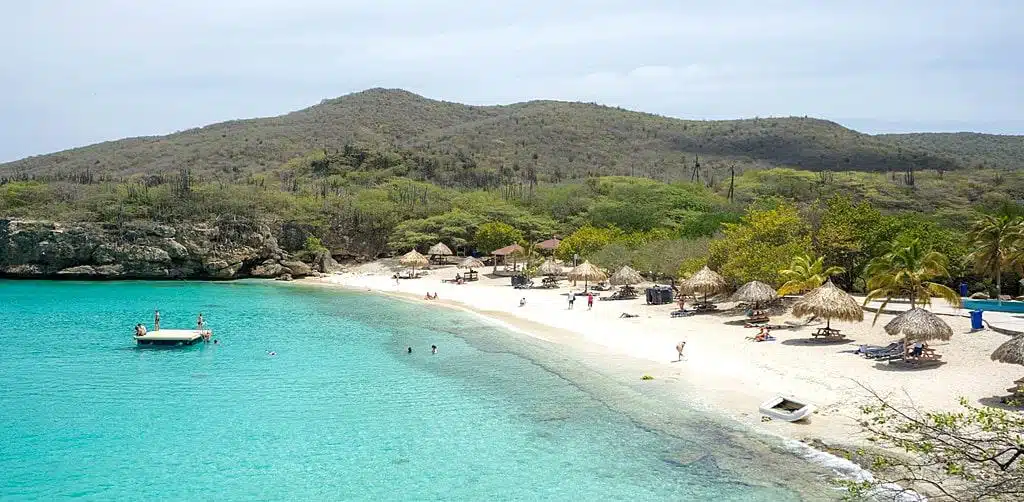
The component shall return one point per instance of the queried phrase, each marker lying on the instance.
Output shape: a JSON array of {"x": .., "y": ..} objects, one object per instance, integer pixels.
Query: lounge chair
[
  {"x": 889, "y": 353},
  {"x": 627, "y": 315},
  {"x": 869, "y": 351},
  {"x": 681, "y": 313}
]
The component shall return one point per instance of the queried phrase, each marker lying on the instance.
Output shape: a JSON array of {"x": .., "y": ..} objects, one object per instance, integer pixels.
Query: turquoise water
[
  {"x": 342, "y": 412},
  {"x": 994, "y": 305}
]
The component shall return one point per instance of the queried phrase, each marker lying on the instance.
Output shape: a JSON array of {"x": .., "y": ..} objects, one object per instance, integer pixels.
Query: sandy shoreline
[{"x": 723, "y": 369}]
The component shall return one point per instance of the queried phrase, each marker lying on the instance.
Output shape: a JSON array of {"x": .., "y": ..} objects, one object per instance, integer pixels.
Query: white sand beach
[{"x": 727, "y": 371}]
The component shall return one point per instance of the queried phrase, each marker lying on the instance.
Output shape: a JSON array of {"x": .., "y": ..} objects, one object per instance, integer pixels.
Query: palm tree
[
  {"x": 804, "y": 274},
  {"x": 996, "y": 241},
  {"x": 905, "y": 272}
]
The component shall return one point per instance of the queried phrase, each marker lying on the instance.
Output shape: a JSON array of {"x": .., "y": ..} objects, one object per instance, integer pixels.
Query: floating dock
[{"x": 172, "y": 337}]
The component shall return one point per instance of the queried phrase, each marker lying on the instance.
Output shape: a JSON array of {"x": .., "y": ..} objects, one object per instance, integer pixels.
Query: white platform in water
[{"x": 171, "y": 336}]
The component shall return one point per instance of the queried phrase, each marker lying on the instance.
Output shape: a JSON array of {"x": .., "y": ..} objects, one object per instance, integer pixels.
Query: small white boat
[{"x": 786, "y": 408}]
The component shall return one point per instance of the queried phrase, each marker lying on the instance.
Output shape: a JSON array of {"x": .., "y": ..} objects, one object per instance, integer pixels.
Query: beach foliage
[
  {"x": 761, "y": 244},
  {"x": 496, "y": 235},
  {"x": 806, "y": 273},
  {"x": 971, "y": 454},
  {"x": 908, "y": 272},
  {"x": 996, "y": 239}
]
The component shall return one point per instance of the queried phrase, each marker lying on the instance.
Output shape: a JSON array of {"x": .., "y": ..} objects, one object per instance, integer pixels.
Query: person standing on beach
[
  {"x": 156, "y": 320},
  {"x": 679, "y": 349},
  {"x": 572, "y": 299},
  {"x": 590, "y": 301}
]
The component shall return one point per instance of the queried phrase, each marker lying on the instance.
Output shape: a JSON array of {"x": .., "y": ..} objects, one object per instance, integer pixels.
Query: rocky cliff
[{"x": 227, "y": 249}]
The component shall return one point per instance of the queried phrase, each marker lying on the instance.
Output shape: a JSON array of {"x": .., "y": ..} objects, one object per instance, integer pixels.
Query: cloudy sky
[{"x": 75, "y": 72}]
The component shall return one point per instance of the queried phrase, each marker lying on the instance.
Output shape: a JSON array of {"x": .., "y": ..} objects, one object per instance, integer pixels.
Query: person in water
[
  {"x": 156, "y": 320},
  {"x": 409, "y": 349},
  {"x": 433, "y": 349}
]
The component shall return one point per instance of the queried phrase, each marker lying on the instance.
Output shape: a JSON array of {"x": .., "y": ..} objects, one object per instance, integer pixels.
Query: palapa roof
[
  {"x": 1011, "y": 352},
  {"x": 507, "y": 250},
  {"x": 549, "y": 267},
  {"x": 705, "y": 281},
  {"x": 919, "y": 325},
  {"x": 549, "y": 245},
  {"x": 413, "y": 259},
  {"x": 755, "y": 292},
  {"x": 829, "y": 302},
  {"x": 626, "y": 276},
  {"x": 471, "y": 262},
  {"x": 439, "y": 249},
  {"x": 587, "y": 272}
]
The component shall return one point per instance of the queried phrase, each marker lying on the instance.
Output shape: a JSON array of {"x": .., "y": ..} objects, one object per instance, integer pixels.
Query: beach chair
[
  {"x": 872, "y": 351},
  {"x": 681, "y": 313},
  {"x": 883, "y": 355}
]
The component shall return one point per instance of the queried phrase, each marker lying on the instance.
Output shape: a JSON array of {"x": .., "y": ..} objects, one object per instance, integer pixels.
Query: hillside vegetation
[{"x": 542, "y": 140}]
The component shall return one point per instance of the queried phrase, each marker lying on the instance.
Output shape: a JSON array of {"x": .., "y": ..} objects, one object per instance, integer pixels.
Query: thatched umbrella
[
  {"x": 413, "y": 259},
  {"x": 471, "y": 263},
  {"x": 705, "y": 281},
  {"x": 626, "y": 276},
  {"x": 919, "y": 325},
  {"x": 1012, "y": 352},
  {"x": 586, "y": 272},
  {"x": 549, "y": 268},
  {"x": 439, "y": 249},
  {"x": 829, "y": 302},
  {"x": 755, "y": 292}
]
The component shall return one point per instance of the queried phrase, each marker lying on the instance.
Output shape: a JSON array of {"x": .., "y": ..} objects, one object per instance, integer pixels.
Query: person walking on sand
[
  {"x": 156, "y": 320},
  {"x": 590, "y": 301},
  {"x": 572, "y": 299},
  {"x": 679, "y": 349}
]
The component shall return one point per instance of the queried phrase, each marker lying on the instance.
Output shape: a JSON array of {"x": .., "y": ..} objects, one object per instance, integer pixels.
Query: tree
[
  {"x": 805, "y": 274},
  {"x": 906, "y": 272},
  {"x": 761, "y": 244},
  {"x": 585, "y": 241},
  {"x": 845, "y": 236},
  {"x": 973, "y": 454},
  {"x": 995, "y": 240},
  {"x": 496, "y": 235}
]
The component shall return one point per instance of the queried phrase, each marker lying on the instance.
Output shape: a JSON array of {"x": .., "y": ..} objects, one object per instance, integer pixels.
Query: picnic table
[{"x": 828, "y": 333}]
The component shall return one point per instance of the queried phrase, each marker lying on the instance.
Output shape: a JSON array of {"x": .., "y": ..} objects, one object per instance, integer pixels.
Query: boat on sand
[{"x": 786, "y": 408}]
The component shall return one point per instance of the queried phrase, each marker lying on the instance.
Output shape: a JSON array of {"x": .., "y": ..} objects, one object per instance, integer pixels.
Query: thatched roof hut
[
  {"x": 471, "y": 263},
  {"x": 626, "y": 276},
  {"x": 919, "y": 325},
  {"x": 548, "y": 245},
  {"x": 439, "y": 249},
  {"x": 829, "y": 302},
  {"x": 549, "y": 268},
  {"x": 1010, "y": 352},
  {"x": 509, "y": 250},
  {"x": 755, "y": 292},
  {"x": 413, "y": 259},
  {"x": 587, "y": 272}
]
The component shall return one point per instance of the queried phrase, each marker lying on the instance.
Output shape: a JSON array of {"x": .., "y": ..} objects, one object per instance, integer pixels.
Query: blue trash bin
[{"x": 976, "y": 320}]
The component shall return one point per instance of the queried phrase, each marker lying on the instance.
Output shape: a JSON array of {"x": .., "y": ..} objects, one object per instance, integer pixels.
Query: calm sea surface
[{"x": 341, "y": 412}]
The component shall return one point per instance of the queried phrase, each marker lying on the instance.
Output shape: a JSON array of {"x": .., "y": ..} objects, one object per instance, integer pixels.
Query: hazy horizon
[{"x": 82, "y": 73}]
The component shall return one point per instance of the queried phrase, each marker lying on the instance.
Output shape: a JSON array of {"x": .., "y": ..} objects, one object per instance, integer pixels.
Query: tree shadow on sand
[
  {"x": 812, "y": 342},
  {"x": 1000, "y": 402},
  {"x": 906, "y": 367}
]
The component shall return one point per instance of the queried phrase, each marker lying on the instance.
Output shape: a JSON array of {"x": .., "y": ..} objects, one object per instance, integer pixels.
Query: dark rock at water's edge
[{"x": 225, "y": 249}]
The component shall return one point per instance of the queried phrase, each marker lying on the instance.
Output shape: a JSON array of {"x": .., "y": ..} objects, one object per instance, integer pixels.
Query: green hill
[
  {"x": 462, "y": 145},
  {"x": 968, "y": 148}
]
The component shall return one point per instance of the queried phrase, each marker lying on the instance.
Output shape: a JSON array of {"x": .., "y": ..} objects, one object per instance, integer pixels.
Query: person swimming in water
[
  {"x": 271, "y": 353},
  {"x": 410, "y": 350},
  {"x": 433, "y": 349}
]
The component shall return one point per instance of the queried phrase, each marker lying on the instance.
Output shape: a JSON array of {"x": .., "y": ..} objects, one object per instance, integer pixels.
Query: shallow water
[{"x": 341, "y": 412}]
